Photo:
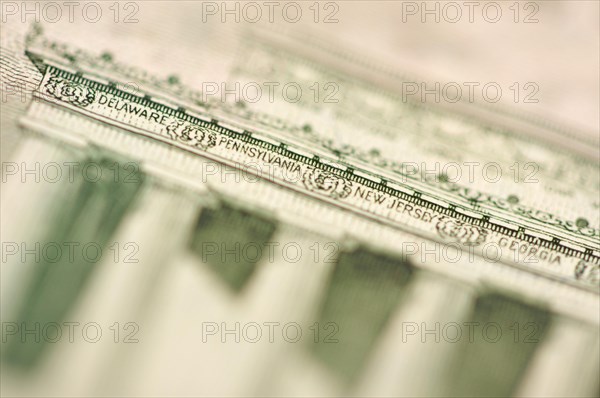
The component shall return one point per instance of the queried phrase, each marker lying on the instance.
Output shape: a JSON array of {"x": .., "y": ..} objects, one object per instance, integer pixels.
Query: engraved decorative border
[
  {"x": 326, "y": 178},
  {"x": 173, "y": 86}
]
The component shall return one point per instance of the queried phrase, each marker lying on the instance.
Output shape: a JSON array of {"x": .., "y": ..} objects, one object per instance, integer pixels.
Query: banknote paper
[{"x": 252, "y": 199}]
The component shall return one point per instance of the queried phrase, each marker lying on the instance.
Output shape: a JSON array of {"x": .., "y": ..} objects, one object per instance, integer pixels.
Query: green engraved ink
[
  {"x": 90, "y": 214},
  {"x": 363, "y": 291},
  {"x": 506, "y": 333},
  {"x": 227, "y": 240}
]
